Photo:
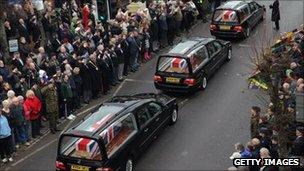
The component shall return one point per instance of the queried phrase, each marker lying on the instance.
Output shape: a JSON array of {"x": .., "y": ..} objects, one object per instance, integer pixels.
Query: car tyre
[
  {"x": 173, "y": 117},
  {"x": 129, "y": 165},
  {"x": 203, "y": 86},
  {"x": 247, "y": 32},
  {"x": 229, "y": 56}
]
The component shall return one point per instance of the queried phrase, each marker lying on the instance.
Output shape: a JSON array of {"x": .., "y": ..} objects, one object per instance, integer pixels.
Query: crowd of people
[
  {"x": 263, "y": 128},
  {"x": 81, "y": 59}
]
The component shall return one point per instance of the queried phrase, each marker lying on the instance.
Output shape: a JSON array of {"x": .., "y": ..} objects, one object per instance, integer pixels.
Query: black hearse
[
  {"x": 116, "y": 132},
  {"x": 236, "y": 19},
  {"x": 189, "y": 64}
]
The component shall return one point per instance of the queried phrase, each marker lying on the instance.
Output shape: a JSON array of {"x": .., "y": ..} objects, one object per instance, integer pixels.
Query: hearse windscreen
[
  {"x": 225, "y": 16},
  {"x": 173, "y": 65},
  {"x": 83, "y": 148}
]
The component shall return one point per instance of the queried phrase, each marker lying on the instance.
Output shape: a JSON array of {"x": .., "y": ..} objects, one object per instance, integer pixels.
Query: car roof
[
  {"x": 108, "y": 113},
  {"x": 232, "y": 5},
  {"x": 186, "y": 46}
]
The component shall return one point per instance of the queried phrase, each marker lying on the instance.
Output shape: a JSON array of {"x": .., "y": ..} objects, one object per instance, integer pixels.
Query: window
[
  {"x": 198, "y": 56},
  {"x": 211, "y": 49},
  {"x": 253, "y": 7},
  {"x": 244, "y": 12},
  {"x": 217, "y": 46},
  {"x": 173, "y": 64},
  {"x": 154, "y": 108},
  {"x": 118, "y": 133},
  {"x": 225, "y": 16},
  {"x": 143, "y": 116}
]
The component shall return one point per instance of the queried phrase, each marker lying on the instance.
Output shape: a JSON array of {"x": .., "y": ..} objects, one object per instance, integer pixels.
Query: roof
[
  {"x": 185, "y": 46},
  {"x": 108, "y": 111},
  {"x": 232, "y": 5}
]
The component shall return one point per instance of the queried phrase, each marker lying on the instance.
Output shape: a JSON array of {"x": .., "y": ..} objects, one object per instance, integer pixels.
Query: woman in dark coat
[{"x": 275, "y": 15}]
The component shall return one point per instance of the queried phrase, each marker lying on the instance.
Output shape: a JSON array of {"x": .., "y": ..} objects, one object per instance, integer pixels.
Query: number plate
[
  {"x": 79, "y": 168},
  {"x": 225, "y": 27},
  {"x": 172, "y": 80}
]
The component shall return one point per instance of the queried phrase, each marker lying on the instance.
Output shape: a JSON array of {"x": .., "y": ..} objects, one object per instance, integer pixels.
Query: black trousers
[
  {"x": 5, "y": 147},
  {"x": 35, "y": 128},
  {"x": 277, "y": 24}
]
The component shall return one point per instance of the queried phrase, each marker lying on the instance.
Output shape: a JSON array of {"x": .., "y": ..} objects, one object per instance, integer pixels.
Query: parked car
[
  {"x": 116, "y": 133},
  {"x": 236, "y": 19},
  {"x": 188, "y": 66}
]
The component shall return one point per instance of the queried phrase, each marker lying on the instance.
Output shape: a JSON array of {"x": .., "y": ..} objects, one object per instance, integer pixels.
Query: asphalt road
[{"x": 210, "y": 121}]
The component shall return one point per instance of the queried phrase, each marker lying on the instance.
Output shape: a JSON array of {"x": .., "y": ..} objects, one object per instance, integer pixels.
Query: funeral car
[
  {"x": 189, "y": 65},
  {"x": 114, "y": 135},
  {"x": 236, "y": 19}
]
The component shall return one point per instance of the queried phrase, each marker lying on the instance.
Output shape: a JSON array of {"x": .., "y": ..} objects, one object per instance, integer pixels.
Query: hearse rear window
[
  {"x": 224, "y": 15},
  {"x": 118, "y": 133},
  {"x": 80, "y": 148},
  {"x": 173, "y": 64}
]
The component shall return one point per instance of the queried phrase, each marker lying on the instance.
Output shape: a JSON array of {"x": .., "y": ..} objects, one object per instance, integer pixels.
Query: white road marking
[
  {"x": 249, "y": 46},
  {"x": 119, "y": 87},
  {"x": 35, "y": 142},
  {"x": 34, "y": 152},
  {"x": 184, "y": 101},
  {"x": 139, "y": 81}
]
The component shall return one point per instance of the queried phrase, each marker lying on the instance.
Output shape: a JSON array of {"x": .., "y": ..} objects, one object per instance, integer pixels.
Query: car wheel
[
  {"x": 174, "y": 117},
  {"x": 247, "y": 32},
  {"x": 204, "y": 83},
  {"x": 229, "y": 56},
  {"x": 129, "y": 165}
]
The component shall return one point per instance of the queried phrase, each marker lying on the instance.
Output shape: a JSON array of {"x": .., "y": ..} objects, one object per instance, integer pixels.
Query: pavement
[{"x": 210, "y": 122}]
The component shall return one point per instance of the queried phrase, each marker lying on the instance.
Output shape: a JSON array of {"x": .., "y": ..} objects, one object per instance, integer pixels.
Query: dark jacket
[
  {"x": 297, "y": 148},
  {"x": 17, "y": 113},
  {"x": 275, "y": 14},
  {"x": 66, "y": 91}
]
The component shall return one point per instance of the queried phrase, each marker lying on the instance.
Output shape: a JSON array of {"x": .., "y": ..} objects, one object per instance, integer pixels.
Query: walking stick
[{"x": 65, "y": 110}]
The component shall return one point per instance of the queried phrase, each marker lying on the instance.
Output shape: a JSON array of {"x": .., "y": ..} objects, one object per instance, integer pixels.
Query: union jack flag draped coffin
[
  {"x": 229, "y": 16},
  {"x": 178, "y": 63},
  {"x": 89, "y": 148},
  {"x": 110, "y": 133}
]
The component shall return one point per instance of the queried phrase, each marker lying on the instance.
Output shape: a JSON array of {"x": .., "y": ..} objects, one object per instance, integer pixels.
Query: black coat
[
  {"x": 275, "y": 14},
  {"x": 24, "y": 31},
  {"x": 94, "y": 72},
  {"x": 106, "y": 74},
  {"x": 120, "y": 55},
  {"x": 297, "y": 148},
  {"x": 85, "y": 77}
]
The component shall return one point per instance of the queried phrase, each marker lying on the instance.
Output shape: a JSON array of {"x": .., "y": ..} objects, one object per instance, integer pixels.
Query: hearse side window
[
  {"x": 217, "y": 46},
  {"x": 244, "y": 13},
  {"x": 211, "y": 49},
  {"x": 253, "y": 7},
  {"x": 143, "y": 116},
  {"x": 198, "y": 56},
  {"x": 153, "y": 108},
  {"x": 118, "y": 133}
]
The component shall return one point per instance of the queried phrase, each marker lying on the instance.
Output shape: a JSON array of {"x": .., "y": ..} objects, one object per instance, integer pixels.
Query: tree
[
  {"x": 271, "y": 67},
  {"x": 3, "y": 39}
]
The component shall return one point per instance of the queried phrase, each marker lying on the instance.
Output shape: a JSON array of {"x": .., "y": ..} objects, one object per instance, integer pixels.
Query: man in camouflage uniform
[{"x": 51, "y": 101}]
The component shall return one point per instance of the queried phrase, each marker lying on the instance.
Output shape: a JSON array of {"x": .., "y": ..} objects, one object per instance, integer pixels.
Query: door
[
  {"x": 221, "y": 53},
  {"x": 211, "y": 65},
  {"x": 159, "y": 116},
  {"x": 145, "y": 125}
]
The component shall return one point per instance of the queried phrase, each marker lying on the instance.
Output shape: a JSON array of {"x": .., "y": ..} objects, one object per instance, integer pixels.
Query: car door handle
[
  {"x": 157, "y": 119},
  {"x": 146, "y": 130}
]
